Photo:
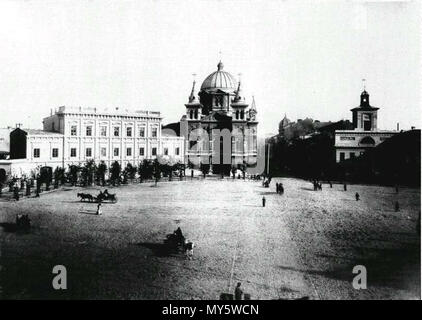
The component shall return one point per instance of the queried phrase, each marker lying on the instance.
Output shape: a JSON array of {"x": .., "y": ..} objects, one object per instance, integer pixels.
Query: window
[
  {"x": 103, "y": 152},
  {"x": 103, "y": 131},
  {"x": 142, "y": 132},
  {"x": 73, "y": 152},
  {"x": 116, "y": 131},
  {"x": 154, "y": 132},
  {"x": 141, "y": 151},
  {"x": 73, "y": 130},
  {"x": 55, "y": 153},
  {"x": 129, "y": 152},
  {"x": 88, "y": 152},
  {"x": 352, "y": 155},
  {"x": 129, "y": 131},
  {"x": 36, "y": 152},
  {"x": 177, "y": 151},
  {"x": 116, "y": 152},
  {"x": 342, "y": 156},
  {"x": 88, "y": 131},
  {"x": 166, "y": 151},
  {"x": 154, "y": 151}
]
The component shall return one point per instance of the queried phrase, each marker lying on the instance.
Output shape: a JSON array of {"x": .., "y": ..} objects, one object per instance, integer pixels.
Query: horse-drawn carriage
[
  {"x": 175, "y": 242},
  {"x": 101, "y": 197}
]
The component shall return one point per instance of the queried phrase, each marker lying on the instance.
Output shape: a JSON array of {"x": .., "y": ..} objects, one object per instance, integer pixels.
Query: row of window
[
  {"x": 103, "y": 152},
  {"x": 116, "y": 131},
  {"x": 351, "y": 155}
]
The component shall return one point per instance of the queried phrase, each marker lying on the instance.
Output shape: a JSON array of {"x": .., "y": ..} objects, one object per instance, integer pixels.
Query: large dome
[{"x": 219, "y": 80}]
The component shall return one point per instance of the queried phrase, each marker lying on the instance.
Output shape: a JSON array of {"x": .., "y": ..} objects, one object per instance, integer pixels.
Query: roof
[
  {"x": 219, "y": 80},
  {"x": 39, "y": 132}
]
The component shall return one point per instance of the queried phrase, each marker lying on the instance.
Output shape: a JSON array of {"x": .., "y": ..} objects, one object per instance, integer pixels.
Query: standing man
[
  {"x": 238, "y": 293},
  {"x": 345, "y": 187},
  {"x": 263, "y": 201},
  {"x": 357, "y": 196},
  {"x": 99, "y": 210}
]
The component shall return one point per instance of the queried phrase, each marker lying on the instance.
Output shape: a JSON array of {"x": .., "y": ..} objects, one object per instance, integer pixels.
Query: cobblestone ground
[{"x": 304, "y": 243}]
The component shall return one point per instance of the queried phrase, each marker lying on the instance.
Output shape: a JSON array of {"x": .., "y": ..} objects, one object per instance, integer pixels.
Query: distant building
[
  {"x": 365, "y": 135},
  {"x": 73, "y": 135}
]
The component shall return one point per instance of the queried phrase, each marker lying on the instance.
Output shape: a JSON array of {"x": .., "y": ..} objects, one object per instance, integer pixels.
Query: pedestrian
[
  {"x": 281, "y": 189},
  {"x": 357, "y": 196},
  {"x": 99, "y": 209},
  {"x": 276, "y": 188},
  {"x": 238, "y": 293},
  {"x": 345, "y": 187},
  {"x": 16, "y": 193},
  {"x": 396, "y": 206},
  {"x": 263, "y": 201},
  {"x": 331, "y": 185},
  {"x": 397, "y": 188}
]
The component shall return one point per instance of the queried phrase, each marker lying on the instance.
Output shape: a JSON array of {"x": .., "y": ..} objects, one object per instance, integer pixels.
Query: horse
[{"x": 84, "y": 196}]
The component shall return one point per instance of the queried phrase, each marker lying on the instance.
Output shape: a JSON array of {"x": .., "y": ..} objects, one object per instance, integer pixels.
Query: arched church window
[
  {"x": 242, "y": 114},
  {"x": 196, "y": 114},
  {"x": 191, "y": 114},
  {"x": 367, "y": 140},
  {"x": 237, "y": 114}
]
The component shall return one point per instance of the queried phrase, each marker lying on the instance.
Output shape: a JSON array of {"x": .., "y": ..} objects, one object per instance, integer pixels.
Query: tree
[
  {"x": 87, "y": 172},
  {"x": 72, "y": 174},
  {"x": 156, "y": 171},
  {"x": 234, "y": 169},
  {"x": 129, "y": 173},
  {"x": 205, "y": 169},
  {"x": 115, "y": 171},
  {"x": 59, "y": 176},
  {"x": 145, "y": 170},
  {"x": 100, "y": 173}
]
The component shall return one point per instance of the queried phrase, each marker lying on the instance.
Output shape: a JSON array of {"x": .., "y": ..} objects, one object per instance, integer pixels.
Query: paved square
[{"x": 304, "y": 243}]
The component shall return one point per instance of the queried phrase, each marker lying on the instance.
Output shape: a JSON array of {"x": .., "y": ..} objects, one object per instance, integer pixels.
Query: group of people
[
  {"x": 279, "y": 188},
  {"x": 317, "y": 185}
]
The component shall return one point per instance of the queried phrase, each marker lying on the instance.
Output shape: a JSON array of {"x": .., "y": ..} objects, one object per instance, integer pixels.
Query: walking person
[
  {"x": 238, "y": 293},
  {"x": 357, "y": 196},
  {"x": 345, "y": 187},
  {"x": 263, "y": 201},
  {"x": 99, "y": 212}
]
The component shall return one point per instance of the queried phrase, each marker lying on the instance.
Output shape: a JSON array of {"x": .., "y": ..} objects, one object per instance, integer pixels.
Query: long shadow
[
  {"x": 158, "y": 249},
  {"x": 307, "y": 189},
  {"x": 12, "y": 228},
  {"x": 397, "y": 268}
]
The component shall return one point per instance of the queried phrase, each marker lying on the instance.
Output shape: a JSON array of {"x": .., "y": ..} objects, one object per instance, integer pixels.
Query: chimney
[{"x": 412, "y": 127}]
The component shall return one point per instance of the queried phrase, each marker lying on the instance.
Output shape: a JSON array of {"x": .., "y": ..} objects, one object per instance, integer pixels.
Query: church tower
[{"x": 365, "y": 116}]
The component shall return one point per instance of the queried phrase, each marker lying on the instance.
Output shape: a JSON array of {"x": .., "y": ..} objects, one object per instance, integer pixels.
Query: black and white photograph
[{"x": 214, "y": 150}]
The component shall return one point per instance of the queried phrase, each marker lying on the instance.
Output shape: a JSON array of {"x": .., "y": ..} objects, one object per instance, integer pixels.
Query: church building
[
  {"x": 219, "y": 126},
  {"x": 365, "y": 135}
]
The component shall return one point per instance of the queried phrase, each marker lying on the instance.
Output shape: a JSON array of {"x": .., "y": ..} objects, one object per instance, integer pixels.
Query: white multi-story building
[
  {"x": 366, "y": 135},
  {"x": 74, "y": 135}
]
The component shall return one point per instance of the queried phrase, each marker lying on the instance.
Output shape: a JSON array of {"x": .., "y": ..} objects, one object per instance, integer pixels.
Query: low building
[{"x": 365, "y": 135}]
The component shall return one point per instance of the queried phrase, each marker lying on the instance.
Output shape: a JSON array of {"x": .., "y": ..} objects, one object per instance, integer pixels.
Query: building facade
[
  {"x": 365, "y": 135},
  {"x": 75, "y": 135},
  {"x": 220, "y": 127}
]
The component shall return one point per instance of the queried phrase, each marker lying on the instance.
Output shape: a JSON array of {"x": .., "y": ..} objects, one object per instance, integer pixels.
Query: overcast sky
[{"x": 305, "y": 59}]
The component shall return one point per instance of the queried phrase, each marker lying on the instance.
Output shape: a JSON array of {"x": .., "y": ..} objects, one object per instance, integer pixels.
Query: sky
[{"x": 299, "y": 58}]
